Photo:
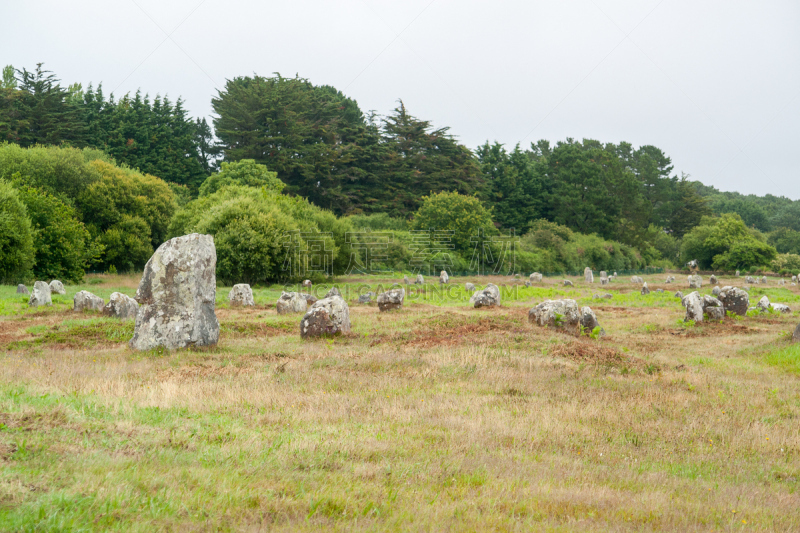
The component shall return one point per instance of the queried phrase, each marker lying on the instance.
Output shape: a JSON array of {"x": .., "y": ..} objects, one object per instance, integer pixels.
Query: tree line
[{"x": 127, "y": 169}]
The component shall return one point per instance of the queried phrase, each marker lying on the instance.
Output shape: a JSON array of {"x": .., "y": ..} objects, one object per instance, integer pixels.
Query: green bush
[
  {"x": 245, "y": 172},
  {"x": 16, "y": 239},
  {"x": 463, "y": 215},
  {"x": 726, "y": 243},
  {"x": 62, "y": 245}
]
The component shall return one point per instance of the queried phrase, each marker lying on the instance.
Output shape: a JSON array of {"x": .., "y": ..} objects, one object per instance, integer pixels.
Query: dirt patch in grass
[
  {"x": 453, "y": 329},
  {"x": 239, "y": 328},
  {"x": 201, "y": 372},
  {"x": 595, "y": 353},
  {"x": 715, "y": 329},
  {"x": 36, "y": 421}
]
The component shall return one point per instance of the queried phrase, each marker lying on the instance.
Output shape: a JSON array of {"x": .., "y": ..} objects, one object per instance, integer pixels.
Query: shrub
[
  {"x": 464, "y": 216},
  {"x": 16, "y": 240},
  {"x": 245, "y": 172},
  {"x": 62, "y": 244}
]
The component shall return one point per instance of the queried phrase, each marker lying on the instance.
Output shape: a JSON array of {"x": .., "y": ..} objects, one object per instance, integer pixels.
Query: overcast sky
[{"x": 715, "y": 84}]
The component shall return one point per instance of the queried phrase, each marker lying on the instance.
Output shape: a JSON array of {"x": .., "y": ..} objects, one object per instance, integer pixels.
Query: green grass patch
[
  {"x": 786, "y": 358},
  {"x": 79, "y": 333}
]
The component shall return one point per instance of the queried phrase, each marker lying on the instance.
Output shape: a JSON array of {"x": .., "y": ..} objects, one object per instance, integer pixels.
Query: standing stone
[
  {"x": 764, "y": 280},
  {"x": 291, "y": 302},
  {"x": 470, "y": 288},
  {"x": 443, "y": 277},
  {"x": 22, "y": 289},
  {"x": 241, "y": 295},
  {"x": 763, "y": 304},
  {"x": 716, "y": 290},
  {"x": 40, "y": 295},
  {"x": 589, "y": 321},
  {"x": 536, "y": 277},
  {"x": 738, "y": 274},
  {"x": 85, "y": 300},
  {"x": 637, "y": 279},
  {"x": 697, "y": 306},
  {"x": 645, "y": 289},
  {"x": 488, "y": 297},
  {"x": 781, "y": 308},
  {"x": 564, "y": 315},
  {"x": 56, "y": 287},
  {"x": 695, "y": 282},
  {"x": 366, "y": 298},
  {"x": 328, "y": 316},
  {"x": 406, "y": 280},
  {"x": 121, "y": 306},
  {"x": 603, "y": 281},
  {"x": 735, "y": 300},
  {"x": 603, "y": 274},
  {"x": 391, "y": 300},
  {"x": 420, "y": 280},
  {"x": 310, "y": 299},
  {"x": 781, "y": 282},
  {"x": 796, "y": 334},
  {"x": 588, "y": 277},
  {"x": 750, "y": 280},
  {"x": 568, "y": 283},
  {"x": 307, "y": 285},
  {"x": 177, "y": 295},
  {"x": 794, "y": 279},
  {"x": 528, "y": 283},
  {"x": 713, "y": 279},
  {"x": 679, "y": 294}
]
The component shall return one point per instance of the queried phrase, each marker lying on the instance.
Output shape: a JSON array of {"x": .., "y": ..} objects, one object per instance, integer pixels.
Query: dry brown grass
[{"x": 428, "y": 419}]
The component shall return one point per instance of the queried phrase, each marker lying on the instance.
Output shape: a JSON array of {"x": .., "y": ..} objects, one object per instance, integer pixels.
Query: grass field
[{"x": 438, "y": 417}]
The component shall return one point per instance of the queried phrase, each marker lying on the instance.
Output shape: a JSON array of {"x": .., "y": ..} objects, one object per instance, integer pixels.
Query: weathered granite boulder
[
  {"x": 637, "y": 279},
  {"x": 589, "y": 321},
  {"x": 536, "y": 277},
  {"x": 420, "y": 280},
  {"x": 310, "y": 298},
  {"x": 679, "y": 294},
  {"x": 763, "y": 304},
  {"x": 796, "y": 334},
  {"x": 241, "y": 295},
  {"x": 22, "y": 289},
  {"x": 121, "y": 306},
  {"x": 528, "y": 283},
  {"x": 560, "y": 314},
  {"x": 307, "y": 285},
  {"x": 86, "y": 301},
  {"x": 735, "y": 300},
  {"x": 692, "y": 264},
  {"x": 406, "y": 280},
  {"x": 764, "y": 280},
  {"x": 470, "y": 288},
  {"x": 695, "y": 282},
  {"x": 488, "y": 297},
  {"x": 781, "y": 308},
  {"x": 56, "y": 287},
  {"x": 40, "y": 295},
  {"x": 750, "y": 280},
  {"x": 716, "y": 291},
  {"x": 177, "y": 295},
  {"x": 603, "y": 274},
  {"x": 738, "y": 274},
  {"x": 713, "y": 279},
  {"x": 568, "y": 283},
  {"x": 697, "y": 306},
  {"x": 603, "y": 281},
  {"x": 328, "y": 316},
  {"x": 781, "y": 282},
  {"x": 794, "y": 279},
  {"x": 291, "y": 302},
  {"x": 607, "y": 296},
  {"x": 443, "y": 277},
  {"x": 564, "y": 315},
  {"x": 660, "y": 291},
  {"x": 366, "y": 297},
  {"x": 391, "y": 299},
  {"x": 645, "y": 289},
  {"x": 588, "y": 276}
]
